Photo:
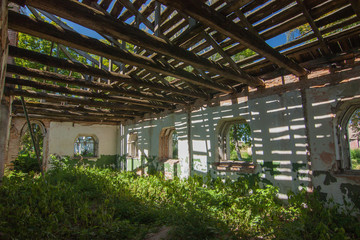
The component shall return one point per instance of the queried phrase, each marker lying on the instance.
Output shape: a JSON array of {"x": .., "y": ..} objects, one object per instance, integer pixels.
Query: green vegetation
[
  {"x": 355, "y": 159},
  {"x": 240, "y": 141},
  {"x": 244, "y": 156},
  {"x": 27, "y": 160},
  {"x": 73, "y": 202},
  {"x": 354, "y": 124}
]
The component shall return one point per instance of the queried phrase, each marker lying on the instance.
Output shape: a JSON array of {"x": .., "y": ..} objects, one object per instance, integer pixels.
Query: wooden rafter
[
  {"x": 74, "y": 100},
  {"x": 313, "y": 25},
  {"x": 81, "y": 92},
  {"x": 21, "y": 23},
  {"x": 69, "y": 114},
  {"x": 56, "y": 77},
  {"x": 219, "y": 22},
  {"x": 79, "y": 109},
  {"x": 85, "y": 69},
  {"x": 96, "y": 20},
  {"x": 68, "y": 118},
  {"x": 355, "y": 4}
]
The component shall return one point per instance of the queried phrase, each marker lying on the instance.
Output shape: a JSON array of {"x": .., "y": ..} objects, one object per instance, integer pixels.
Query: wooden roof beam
[
  {"x": 220, "y": 23},
  {"x": 355, "y": 4},
  {"x": 56, "y": 77},
  {"x": 84, "y": 93},
  {"x": 65, "y": 118},
  {"x": 98, "y": 21},
  {"x": 88, "y": 70},
  {"x": 313, "y": 26},
  {"x": 85, "y": 102},
  {"x": 80, "y": 109},
  {"x": 21, "y": 23},
  {"x": 69, "y": 114}
]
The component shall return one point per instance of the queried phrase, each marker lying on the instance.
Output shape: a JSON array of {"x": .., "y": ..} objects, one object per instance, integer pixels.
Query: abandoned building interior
[{"x": 174, "y": 80}]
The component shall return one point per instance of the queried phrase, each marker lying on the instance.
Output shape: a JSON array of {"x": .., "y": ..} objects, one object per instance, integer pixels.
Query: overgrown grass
[
  {"x": 244, "y": 156},
  {"x": 91, "y": 203},
  {"x": 355, "y": 159}
]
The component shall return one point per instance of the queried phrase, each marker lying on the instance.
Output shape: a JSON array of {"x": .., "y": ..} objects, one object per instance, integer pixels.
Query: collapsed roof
[{"x": 182, "y": 51}]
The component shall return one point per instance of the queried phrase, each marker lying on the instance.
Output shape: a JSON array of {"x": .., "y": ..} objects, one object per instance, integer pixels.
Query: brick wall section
[{"x": 17, "y": 125}]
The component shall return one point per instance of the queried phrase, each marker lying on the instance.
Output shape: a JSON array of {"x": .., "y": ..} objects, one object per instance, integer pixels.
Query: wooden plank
[
  {"x": 88, "y": 70},
  {"x": 217, "y": 21},
  {"x": 68, "y": 119},
  {"x": 70, "y": 114},
  {"x": 84, "y": 93},
  {"x": 96, "y": 20},
  {"x": 34, "y": 27},
  {"x": 355, "y": 4},
  {"x": 128, "y": 14},
  {"x": 313, "y": 25},
  {"x": 85, "y": 102},
  {"x": 56, "y": 77},
  {"x": 80, "y": 109},
  {"x": 3, "y": 44},
  {"x": 105, "y": 4},
  {"x": 116, "y": 9}
]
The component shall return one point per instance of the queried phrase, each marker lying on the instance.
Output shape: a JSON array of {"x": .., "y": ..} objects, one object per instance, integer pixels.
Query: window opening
[
  {"x": 85, "y": 146},
  {"x": 240, "y": 142},
  {"x": 168, "y": 144},
  {"x": 235, "y": 141},
  {"x": 133, "y": 145},
  {"x": 353, "y": 127},
  {"x": 26, "y": 160}
]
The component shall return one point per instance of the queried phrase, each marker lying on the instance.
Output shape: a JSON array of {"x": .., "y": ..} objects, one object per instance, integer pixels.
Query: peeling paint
[
  {"x": 326, "y": 157},
  {"x": 329, "y": 178}
]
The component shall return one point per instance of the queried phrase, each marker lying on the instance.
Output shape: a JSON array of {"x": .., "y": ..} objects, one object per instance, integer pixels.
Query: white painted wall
[
  {"x": 278, "y": 124},
  {"x": 62, "y": 136}
]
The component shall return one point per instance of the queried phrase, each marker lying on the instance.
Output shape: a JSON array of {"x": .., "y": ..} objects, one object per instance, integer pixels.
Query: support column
[
  {"x": 4, "y": 134},
  {"x": 4, "y": 43},
  {"x": 4, "y": 106}
]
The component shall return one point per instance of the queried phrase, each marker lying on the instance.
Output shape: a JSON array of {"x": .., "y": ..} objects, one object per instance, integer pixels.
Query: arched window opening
[
  {"x": 168, "y": 144},
  {"x": 85, "y": 146},
  {"x": 234, "y": 141},
  {"x": 175, "y": 150},
  {"x": 133, "y": 145},
  {"x": 27, "y": 159},
  {"x": 240, "y": 142},
  {"x": 353, "y": 127}
]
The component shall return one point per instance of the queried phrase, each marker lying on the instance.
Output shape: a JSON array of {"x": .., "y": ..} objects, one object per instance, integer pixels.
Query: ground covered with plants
[
  {"x": 75, "y": 202},
  {"x": 355, "y": 158}
]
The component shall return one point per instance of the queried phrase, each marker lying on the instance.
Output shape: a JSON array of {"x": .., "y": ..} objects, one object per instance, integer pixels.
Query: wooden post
[
  {"x": 36, "y": 147},
  {"x": 3, "y": 44},
  {"x": 4, "y": 108}
]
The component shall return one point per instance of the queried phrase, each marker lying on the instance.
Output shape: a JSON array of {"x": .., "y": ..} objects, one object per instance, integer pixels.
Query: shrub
[
  {"x": 90, "y": 203},
  {"x": 355, "y": 153},
  {"x": 26, "y": 162}
]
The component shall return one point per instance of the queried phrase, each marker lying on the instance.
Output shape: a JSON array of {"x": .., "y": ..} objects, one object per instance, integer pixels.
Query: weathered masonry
[{"x": 170, "y": 80}]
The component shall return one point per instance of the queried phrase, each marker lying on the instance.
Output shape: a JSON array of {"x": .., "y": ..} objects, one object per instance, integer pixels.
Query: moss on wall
[{"x": 352, "y": 192}]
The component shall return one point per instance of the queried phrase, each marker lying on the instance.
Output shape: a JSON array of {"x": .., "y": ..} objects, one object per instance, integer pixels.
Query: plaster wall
[
  {"x": 323, "y": 105},
  {"x": 294, "y": 144},
  {"x": 149, "y": 136},
  {"x": 62, "y": 137}
]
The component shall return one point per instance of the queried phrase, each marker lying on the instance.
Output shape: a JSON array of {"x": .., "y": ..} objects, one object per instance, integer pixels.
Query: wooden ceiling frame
[{"x": 225, "y": 27}]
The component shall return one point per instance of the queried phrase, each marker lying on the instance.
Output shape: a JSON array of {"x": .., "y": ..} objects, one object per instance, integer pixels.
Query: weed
[{"x": 81, "y": 202}]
